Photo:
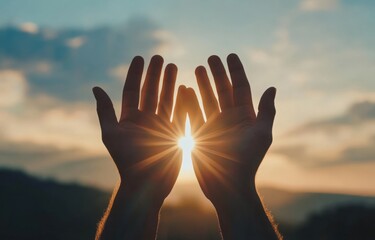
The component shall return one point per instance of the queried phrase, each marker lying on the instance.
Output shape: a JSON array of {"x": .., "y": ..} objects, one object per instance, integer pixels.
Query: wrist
[
  {"x": 142, "y": 197},
  {"x": 237, "y": 201},
  {"x": 131, "y": 211},
  {"x": 245, "y": 216},
  {"x": 235, "y": 196}
]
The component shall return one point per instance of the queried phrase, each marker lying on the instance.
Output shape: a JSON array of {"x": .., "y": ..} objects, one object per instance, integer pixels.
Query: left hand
[{"x": 143, "y": 142}]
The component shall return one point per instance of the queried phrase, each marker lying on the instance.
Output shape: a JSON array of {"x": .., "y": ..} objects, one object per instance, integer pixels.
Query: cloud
[
  {"x": 69, "y": 165},
  {"x": 308, "y": 156},
  {"x": 75, "y": 42},
  {"x": 318, "y": 5},
  {"x": 13, "y": 88},
  {"x": 48, "y": 121},
  {"x": 361, "y": 153},
  {"x": 67, "y": 63},
  {"x": 119, "y": 72},
  {"x": 346, "y": 138},
  {"x": 357, "y": 114},
  {"x": 34, "y": 157},
  {"x": 29, "y": 27},
  {"x": 170, "y": 45},
  {"x": 291, "y": 151}
]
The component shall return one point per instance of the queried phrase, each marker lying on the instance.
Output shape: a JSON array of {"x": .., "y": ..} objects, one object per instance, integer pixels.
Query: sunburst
[{"x": 187, "y": 143}]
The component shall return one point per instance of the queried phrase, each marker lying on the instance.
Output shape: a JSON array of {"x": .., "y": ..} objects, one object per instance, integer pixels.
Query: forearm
[
  {"x": 130, "y": 215},
  {"x": 244, "y": 217}
]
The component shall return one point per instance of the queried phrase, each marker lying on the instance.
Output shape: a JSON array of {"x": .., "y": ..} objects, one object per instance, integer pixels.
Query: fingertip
[
  {"x": 267, "y": 101},
  {"x": 181, "y": 89},
  {"x": 157, "y": 58},
  {"x": 97, "y": 91},
  {"x": 213, "y": 58},
  {"x": 272, "y": 91},
  {"x": 138, "y": 59},
  {"x": 171, "y": 67},
  {"x": 232, "y": 57},
  {"x": 200, "y": 70}
]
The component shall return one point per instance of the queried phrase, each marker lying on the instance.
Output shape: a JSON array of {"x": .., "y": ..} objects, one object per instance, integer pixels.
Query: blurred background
[{"x": 318, "y": 176}]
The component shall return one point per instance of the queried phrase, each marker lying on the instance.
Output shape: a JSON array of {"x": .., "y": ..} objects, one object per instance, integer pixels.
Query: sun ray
[
  {"x": 214, "y": 170},
  {"x": 153, "y": 159}
]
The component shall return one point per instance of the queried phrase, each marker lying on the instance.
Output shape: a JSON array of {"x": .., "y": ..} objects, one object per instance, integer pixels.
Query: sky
[{"x": 319, "y": 54}]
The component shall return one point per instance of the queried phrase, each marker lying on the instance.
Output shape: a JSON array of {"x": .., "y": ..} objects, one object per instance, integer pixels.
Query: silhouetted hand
[
  {"x": 143, "y": 146},
  {"x": 230, "y": 147}
]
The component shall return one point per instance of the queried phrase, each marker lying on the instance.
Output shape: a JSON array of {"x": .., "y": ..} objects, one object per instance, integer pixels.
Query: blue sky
[{"x": 319, "y": 54}]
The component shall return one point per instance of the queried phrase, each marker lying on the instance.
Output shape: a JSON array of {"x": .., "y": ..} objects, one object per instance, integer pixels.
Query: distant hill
[
  {"x": 295, "y": 207},
  {"x": 42, "y": 209},
  {"x": 349, "y": 222},
  {"x": 286, "y": 206},
  {"x": 31, "y": 208}
]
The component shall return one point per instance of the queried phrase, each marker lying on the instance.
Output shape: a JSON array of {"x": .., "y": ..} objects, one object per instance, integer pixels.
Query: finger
[
  {"x": 149, "y": 97},
  {"x": 223, "y": 85},
  {"x": 167, "y": 91},
  {"x": 104, "y": 107},
  {"x": 241, "y": 86},
  {"x": 267, "y": 111},
  {"x": 130, "y": 94},
  {"x": 179, "y": 115},
  {"x": 193, "y": 110},
  {"x": 210, "y": 104}
]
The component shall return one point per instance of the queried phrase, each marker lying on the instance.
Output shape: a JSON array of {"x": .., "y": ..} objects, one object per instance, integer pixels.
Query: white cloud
[
  {"x": 76, "y": 42},
  {"x": 170, "y": 45},
  {"x": 64, "y": 127},
  {"x": 318, "y": 5},
  {"x": 29, "y": 27},
  {"x": 13, "y": 87},
  {"x": 45, "y": 120},
  {"x": 119, "y": 72}
]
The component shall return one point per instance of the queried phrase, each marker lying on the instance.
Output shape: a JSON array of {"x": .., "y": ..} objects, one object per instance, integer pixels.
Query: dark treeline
[{"x": 37, "y": 209}]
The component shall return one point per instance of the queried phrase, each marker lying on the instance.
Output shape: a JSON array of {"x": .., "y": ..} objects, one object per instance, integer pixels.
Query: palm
[{"x": 146, "y": 154}]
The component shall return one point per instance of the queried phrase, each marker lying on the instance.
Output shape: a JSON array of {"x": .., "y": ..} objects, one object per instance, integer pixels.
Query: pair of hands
[{"x": 229, "y": 146}]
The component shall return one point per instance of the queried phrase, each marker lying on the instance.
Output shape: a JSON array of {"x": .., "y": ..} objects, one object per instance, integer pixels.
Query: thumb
[
  {"x": 105, "y": 110},
  {"x": 266, "y": 108}
]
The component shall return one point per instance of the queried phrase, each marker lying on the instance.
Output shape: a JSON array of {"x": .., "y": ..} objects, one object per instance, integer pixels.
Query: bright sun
[{"x": 186, "y": 143}]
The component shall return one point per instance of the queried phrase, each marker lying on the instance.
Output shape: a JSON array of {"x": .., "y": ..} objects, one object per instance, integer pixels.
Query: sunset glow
[{"x": 319, "y": 54}]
